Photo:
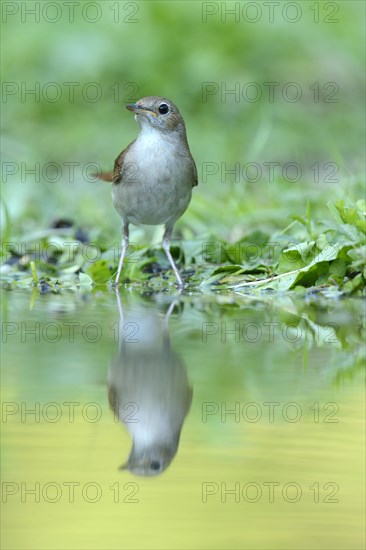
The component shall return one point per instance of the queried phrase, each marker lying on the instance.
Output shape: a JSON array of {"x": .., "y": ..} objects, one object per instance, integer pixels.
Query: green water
[{"x": 266, "y": 392}]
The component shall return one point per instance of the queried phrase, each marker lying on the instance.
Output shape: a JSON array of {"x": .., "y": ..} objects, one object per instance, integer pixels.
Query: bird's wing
[
  {"x": 195, "y": 176},
  {"x": 112, "y": 399},
  {"x": 115, "y": 176},
  {"x": 118, "y": 164}
]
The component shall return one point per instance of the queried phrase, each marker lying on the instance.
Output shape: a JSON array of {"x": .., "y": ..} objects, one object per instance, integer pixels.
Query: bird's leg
[
  {"x": 124, "y": 245},
  {"x": 121, "y": 340},
  {"x": 166, "y": 245}
]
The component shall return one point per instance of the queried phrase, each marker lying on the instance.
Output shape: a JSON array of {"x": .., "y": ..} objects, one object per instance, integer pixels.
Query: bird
[
  {"x": 153, "y": 177},
  {"x": 148, "y": 390}
]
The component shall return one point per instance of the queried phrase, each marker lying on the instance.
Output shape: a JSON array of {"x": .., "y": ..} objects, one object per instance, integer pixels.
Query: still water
[{"x": 194, "y": 421}]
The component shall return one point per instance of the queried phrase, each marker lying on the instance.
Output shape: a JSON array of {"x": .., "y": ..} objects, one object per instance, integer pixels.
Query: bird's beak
[
  {"x": 124, "y": 466},
  {"x": 138, "y": 109}
]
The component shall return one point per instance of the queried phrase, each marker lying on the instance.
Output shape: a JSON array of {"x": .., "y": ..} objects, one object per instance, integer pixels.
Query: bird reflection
[{"x": 148, "y": 390}]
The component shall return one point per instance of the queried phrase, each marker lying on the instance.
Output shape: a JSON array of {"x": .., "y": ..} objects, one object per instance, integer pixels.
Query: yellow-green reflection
[{"x": 271, "y": 451}]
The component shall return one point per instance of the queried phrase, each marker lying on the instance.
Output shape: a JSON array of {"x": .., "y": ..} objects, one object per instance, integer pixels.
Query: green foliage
[
  {"x": 336, "y": 257},
  {"x": 332, "y": 256}
]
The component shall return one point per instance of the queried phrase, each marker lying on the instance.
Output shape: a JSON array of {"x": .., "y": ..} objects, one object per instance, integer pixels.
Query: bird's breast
[
  {"x": 156, "y": 181},
  {"x": 158, "y": 160}
]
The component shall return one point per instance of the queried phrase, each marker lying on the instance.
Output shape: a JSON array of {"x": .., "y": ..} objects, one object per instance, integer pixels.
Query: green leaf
[
  {"x": 334, "y": 211},
  {"x": 100, "y": 271},
  {"x": 85, "y": 281},
  {"x": 338, "y": 268},
  {"x": 354, "y": 284},
  {"x": 249, "y": 249},
  {"x": 352, "y": 215}
]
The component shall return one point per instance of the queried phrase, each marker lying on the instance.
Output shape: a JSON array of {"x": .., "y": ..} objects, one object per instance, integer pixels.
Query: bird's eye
[
  {"x": 163, "y": 109},
  {"x": 155, "y": 465}
]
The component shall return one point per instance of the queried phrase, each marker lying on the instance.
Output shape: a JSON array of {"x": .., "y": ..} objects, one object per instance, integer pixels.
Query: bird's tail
[{"x": 104, "y": 176}]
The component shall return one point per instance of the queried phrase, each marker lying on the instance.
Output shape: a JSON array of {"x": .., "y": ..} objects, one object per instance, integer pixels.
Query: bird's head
[
  {"x": 151, "y": 461},
  {"x": 157, "y": 112}
]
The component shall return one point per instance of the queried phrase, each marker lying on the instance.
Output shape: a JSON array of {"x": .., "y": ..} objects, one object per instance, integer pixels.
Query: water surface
[{"x": 246, "y": 415}]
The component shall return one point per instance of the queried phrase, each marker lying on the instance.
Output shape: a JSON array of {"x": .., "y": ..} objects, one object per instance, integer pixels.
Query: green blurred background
[{"x": 86, "y": 61}]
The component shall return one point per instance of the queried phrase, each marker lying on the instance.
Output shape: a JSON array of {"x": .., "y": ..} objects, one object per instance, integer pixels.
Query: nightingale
[
  {"x": 148, "y": 390},
  {"x": 154, "y": 176}
]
